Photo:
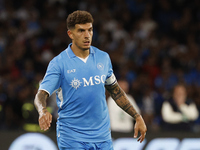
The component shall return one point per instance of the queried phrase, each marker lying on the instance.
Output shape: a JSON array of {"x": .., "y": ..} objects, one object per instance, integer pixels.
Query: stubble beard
[{"x": 81, "y": 48}]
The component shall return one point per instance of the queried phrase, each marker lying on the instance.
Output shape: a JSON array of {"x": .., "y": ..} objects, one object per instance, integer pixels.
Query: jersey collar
[{"x": 71, "y": 54}]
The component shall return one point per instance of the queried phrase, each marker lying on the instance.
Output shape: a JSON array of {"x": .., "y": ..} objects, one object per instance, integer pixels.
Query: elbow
[
  {"x": 195, "y": 116},
  {"x": 166, "y": 118},
  {"x": 36, "y": 99}
]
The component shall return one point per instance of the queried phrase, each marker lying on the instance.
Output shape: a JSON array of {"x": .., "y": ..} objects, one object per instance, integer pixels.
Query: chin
[{"x": 86, "y": 48}]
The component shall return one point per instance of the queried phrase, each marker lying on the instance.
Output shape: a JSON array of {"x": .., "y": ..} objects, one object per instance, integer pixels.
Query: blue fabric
[
  {"x": 76, "y": 145},
  {"x": 83, "y": 112}
]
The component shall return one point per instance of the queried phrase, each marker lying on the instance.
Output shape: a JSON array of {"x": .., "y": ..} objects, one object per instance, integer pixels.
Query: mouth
[{"x": 86, "y": 42}]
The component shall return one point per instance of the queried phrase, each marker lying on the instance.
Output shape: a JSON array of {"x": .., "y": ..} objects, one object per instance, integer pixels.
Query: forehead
[
  {"x": 83, "y": 26},
  {"x": 180, "y": 88}
]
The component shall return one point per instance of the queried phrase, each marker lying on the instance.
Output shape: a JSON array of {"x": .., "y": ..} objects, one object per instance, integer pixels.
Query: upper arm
[
  {"x": 40, "y": 99},
  {"x": 52, "y": 78},
  {"x": 111, "y": 80},
  {"x": 111, "y": 85},
  {"x": 43, "y": 93},
  {"x": 114, "y": 90}
]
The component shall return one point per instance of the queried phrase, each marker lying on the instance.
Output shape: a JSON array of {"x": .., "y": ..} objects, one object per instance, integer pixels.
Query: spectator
[{"x": 179, "y": 112}]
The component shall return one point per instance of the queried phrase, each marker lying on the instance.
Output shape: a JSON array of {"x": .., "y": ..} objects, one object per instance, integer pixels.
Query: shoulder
[
  {"x": 57, "y": 61},
  {"x": 60, "y": 57},
  {"x": 166, "y": 105},
  {"x": 170, "y": 101},
  {"x": 189, "y": 101},
  {"x": 99, "y": 52}
]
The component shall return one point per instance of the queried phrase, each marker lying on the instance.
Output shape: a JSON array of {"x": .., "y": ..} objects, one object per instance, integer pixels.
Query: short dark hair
[{"x": 78, "y": 17}]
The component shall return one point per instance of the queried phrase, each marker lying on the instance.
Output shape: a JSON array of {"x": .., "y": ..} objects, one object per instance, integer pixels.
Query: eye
[
  {"x": 90, "y": 29},
  {"x": 81, "y": 30}
]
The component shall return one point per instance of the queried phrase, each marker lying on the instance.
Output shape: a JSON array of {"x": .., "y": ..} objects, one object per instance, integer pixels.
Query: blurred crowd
[{"x": 154, "y": 45}]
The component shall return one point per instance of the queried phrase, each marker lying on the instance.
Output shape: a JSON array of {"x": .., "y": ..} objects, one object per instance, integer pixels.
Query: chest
[{"x": 84, "y": 74}]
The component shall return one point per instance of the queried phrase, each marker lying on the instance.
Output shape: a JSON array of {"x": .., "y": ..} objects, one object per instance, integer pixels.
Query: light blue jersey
[{"x": 79, "y": 85}]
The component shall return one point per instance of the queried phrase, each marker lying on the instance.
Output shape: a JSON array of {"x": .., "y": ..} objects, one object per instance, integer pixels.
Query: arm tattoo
[
  {"x": 115, "y": 91},
  {"x": 127, "y": 107},
  {"x": 40, "y": 100},
  {"x": 121, "y": 99}
]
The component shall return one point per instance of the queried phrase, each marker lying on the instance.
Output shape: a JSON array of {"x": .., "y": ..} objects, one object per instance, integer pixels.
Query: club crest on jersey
[
  {"x": 75, "y": 83},
  {"x": 100, "y": 66}
]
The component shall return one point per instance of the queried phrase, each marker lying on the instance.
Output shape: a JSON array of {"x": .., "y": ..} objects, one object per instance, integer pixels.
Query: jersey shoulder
[
  {"x": 100, "y": 52},
  {"x": 58, "y": 61},
  {"x": 60, "y": 57}
]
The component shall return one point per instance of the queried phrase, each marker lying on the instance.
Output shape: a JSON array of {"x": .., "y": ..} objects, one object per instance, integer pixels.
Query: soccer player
[{"x": 79, "y": 76}]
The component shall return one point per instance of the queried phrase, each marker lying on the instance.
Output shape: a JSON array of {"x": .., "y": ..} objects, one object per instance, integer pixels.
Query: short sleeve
[{"x": 52, "y": 79}]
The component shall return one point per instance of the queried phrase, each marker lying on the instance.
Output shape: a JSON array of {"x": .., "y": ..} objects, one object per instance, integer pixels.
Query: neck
[{"x": 83, "y": 53}]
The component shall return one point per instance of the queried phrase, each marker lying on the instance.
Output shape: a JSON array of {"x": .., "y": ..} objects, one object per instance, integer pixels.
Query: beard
[{"x": 82, "y": 47}]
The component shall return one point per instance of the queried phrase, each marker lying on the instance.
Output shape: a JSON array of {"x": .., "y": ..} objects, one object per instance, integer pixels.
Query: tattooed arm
[
  {"x": 45, "y": 118},
  {"x": 122, "y": 101}
]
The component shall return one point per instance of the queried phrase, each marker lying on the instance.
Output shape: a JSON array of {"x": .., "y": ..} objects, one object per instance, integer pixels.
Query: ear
[{"x": 70, "y": 34}]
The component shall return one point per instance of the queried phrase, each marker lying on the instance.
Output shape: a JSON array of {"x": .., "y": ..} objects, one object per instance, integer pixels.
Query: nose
[{"x": 87, "y": 34}]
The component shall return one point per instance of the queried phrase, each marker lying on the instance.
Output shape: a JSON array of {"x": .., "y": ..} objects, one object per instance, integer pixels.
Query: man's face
[
  {"x": 81, "y": 35},
  {"x": 180, "y": 95}
]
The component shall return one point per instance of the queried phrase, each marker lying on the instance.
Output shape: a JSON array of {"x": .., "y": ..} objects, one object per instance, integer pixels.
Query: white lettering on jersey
[
  {"x": 103, "y": 77},
  {"x": 92, "y": 81},
  {"x": 71, "y": 71},
  {"x": 87, "y": 83},
  {"x": 97, "y": 79}
]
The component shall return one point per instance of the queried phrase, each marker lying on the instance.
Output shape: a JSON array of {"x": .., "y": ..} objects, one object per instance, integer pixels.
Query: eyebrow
[{"x": 85, "y": 29}]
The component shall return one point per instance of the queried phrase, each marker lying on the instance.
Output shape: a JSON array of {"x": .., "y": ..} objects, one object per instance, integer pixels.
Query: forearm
[
  {"x": 121, "y": 100},
  {"x": 40, "y": 101},
  {"x": 190, "y": 111},
  {"x": 169, "y": 115},
  {"x": 45, "y": 118}
]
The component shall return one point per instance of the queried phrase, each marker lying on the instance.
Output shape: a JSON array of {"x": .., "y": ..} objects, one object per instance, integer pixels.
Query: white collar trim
[{"x": 83, "y": 59}]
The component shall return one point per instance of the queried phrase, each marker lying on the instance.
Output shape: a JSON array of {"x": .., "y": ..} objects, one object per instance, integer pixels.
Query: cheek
[
  {"x": 78, "y": 37},
  {"x": 91, "y": 34}
]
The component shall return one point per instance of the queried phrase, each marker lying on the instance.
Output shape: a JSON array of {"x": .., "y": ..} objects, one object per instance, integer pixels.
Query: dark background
[{"x": 152, "y": 44}]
